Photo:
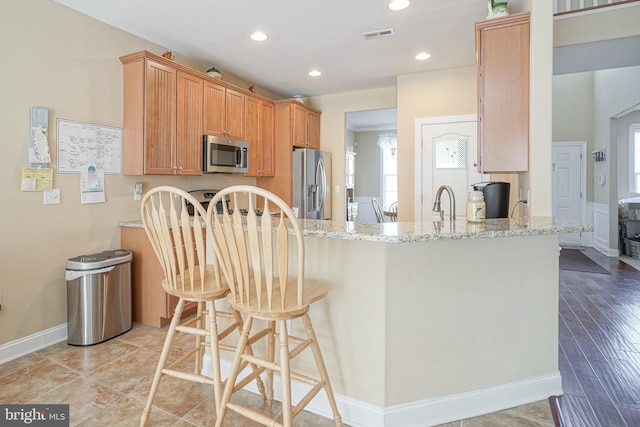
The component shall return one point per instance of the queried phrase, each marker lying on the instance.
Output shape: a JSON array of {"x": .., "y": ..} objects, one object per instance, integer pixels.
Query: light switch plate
[{"x": 52, "y": 197}]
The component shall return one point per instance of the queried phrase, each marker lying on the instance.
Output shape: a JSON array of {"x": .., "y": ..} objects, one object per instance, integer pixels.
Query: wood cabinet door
[
  {"x": 160, "y": 119},
  {"x": 234, "y": 112},
  {"x": 189, "y": 124},
  {"x": 214, "y": 109},
  {"x": 259, "y": 132},
  {"x": 267, "y": 138},
  {"x": 148, "y": 299},
  {"x": 313, "y": 130},
  {"x": 299, "y": 123},
  {"x": 252, "y": 135},
  {"x": 503, "y": 94}
]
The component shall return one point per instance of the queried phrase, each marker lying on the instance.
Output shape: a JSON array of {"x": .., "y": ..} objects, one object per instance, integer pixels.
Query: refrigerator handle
[{"x": 321, "y": 180}]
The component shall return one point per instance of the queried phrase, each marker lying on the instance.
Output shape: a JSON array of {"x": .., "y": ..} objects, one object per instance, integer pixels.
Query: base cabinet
[{"x": 151, "y": 305}]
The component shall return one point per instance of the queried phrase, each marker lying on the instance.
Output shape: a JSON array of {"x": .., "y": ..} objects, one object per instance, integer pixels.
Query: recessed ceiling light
[
  {"x": 315, "y": 73},
  {"x": 399, "y": 4},
  {"x": 422, "y": 56},
  {"x": 259, "y": 36}
]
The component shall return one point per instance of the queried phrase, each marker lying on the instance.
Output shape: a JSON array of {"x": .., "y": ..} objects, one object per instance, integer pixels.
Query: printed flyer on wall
[{"x": 91, "y": 185}]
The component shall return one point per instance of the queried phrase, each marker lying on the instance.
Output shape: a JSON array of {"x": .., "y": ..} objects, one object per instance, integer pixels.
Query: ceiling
[
  {"x": 370, "y": 120},
  {"x": 326, "y": 35}
]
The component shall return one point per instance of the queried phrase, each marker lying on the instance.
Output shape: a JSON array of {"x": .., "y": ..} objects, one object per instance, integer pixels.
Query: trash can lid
[{"x": 102, "y": 259}]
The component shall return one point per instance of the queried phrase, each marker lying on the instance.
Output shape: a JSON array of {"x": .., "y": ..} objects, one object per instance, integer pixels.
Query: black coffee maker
[{"x": 496, "y": 198}]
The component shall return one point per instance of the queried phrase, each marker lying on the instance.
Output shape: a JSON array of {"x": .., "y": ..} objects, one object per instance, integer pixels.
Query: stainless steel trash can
[{"x": 98, "y": 296}]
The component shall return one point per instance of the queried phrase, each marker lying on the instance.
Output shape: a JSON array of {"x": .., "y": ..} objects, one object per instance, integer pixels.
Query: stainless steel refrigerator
[{"x": 312, "y": 183}]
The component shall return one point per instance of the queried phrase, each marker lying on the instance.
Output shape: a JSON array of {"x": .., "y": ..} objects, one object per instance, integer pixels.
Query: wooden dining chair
[
  {"x": 393, "y": 211},
  {"x": 178, "y": 241},
  {"x": 256, "y": 255},
  {"x": 377, "y": 210}
]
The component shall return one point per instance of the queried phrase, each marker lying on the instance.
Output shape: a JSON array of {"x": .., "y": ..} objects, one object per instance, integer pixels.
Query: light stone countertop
[{"x": 407, "y": 232}]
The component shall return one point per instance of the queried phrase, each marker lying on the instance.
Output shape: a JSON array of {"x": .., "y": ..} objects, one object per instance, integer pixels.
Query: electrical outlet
[
  {"x": 137, "y": 191},
  {"x": 52, "y": 197}
]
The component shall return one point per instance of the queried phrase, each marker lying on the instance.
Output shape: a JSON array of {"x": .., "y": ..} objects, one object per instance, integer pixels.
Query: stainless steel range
[{"x": 204, "y": 197}]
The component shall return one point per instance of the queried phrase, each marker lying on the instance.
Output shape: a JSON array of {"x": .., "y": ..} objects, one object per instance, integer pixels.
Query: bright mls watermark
[{"x": 34, "y": 415}]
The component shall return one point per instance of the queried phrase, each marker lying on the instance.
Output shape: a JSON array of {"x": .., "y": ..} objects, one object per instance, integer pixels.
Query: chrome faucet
[{"x": 452, "y": 202}]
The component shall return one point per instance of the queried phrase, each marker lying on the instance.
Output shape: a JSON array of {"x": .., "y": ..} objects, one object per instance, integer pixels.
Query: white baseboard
[
  {"x": 23, "y": 346},
  {"x": 430, "y": 412},
  {"x": 423, "y": 413}
]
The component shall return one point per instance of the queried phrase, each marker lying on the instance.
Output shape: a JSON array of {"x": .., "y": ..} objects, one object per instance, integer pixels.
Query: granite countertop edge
[{"x": 413, "y": 232}]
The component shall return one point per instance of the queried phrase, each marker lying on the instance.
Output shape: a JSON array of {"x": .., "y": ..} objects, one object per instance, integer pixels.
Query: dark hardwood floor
[{"x": 600, "y": 345}]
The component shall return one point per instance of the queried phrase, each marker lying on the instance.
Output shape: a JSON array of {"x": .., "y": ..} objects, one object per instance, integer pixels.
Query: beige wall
[
  {"x": 427, "y": 95},
  {"x": 607, "y": 24},
  {"x": 368, "y": 164},
  {"x": 573, "y": 114},
  {"x": 422, "y": 315},
  {"x": 615, "y": 92},
  {"x": 68, "y": 63},
  {"x": 610, "y": 93},
  {"x": 585, "y": 106},
  {"x": 58, "y": 59},
  {"x": 333, "y": 130}
]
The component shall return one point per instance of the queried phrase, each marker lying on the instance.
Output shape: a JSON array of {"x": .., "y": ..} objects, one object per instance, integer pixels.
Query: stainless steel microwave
[{"x": 224, "y": 155}]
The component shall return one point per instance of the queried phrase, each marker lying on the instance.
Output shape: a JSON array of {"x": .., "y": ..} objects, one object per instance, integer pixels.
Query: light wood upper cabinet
[
  {"x": 162, "y": 120},
  {"x": 223, "y": 111},
  {"x": 502, "y": 48},
  {"x": 313, "y": 121},
  {"x": 169, "y": 107},
  {"x": 259, "y": 132},
  {"x": 268, "y": 138},
  {"x": 306, "y": 126},
  {"x": 296, "y": 125},
  {"x": 189, "y": 125}
]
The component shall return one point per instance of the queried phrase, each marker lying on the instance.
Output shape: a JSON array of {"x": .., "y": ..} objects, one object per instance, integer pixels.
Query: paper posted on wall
[
  {"x": 91, "y": 185},
  {"x": 39, "y": 155},
  {"x": 36, "y": 179}
]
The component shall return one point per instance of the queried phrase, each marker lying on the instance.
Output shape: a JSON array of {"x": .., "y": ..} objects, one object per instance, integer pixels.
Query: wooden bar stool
[
  {"x": 377, "y": 209},
  {"x": 178, "y": 241},
  {"x": 254, "y": 255}
]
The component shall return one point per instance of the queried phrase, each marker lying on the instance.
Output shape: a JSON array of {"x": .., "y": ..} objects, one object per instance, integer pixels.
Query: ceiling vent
[{"x": 388, "y": 32}]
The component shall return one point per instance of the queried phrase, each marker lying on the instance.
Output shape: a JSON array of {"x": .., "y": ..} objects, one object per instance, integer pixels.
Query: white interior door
[
  {"x": 568, "y": 186},
  {"x": 446, "y": 151}
]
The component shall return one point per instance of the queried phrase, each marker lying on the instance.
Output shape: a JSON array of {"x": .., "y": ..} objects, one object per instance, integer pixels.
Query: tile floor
[{"x": 107, "y": 385}]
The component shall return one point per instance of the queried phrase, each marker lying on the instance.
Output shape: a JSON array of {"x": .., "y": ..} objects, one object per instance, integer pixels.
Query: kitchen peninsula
[{"x": 430, "y": 322}]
